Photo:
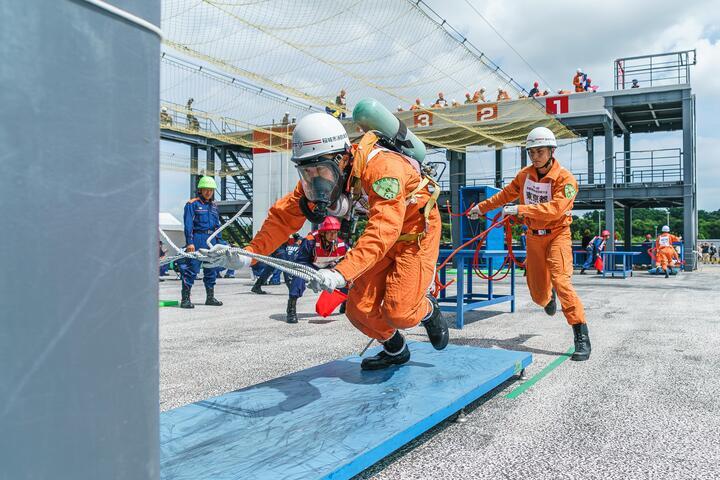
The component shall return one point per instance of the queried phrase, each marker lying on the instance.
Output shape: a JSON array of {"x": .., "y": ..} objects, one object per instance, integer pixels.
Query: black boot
[
  {"x": 582, "y": 271},
  {"x": 551, "y": 307},
  {"x": 582, "y": 343},
  {"x": 343, "y": 306},
  {"x": 211, "y": 300},
  {"x": 667, "y": 274},
  {"x": 185, "y": 302},
  {"x": 256, "y": 288},
  {"x": 436, "y": 327},
  {"x": 395, "y": 352},
  {"x": 291, "y": 310}
]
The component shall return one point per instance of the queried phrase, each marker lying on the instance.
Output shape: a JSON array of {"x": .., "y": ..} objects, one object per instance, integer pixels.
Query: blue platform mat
[{"x": 329, "y": 421}]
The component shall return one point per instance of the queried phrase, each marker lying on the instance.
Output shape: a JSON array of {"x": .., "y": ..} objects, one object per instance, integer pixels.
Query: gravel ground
[{"x": 645, "y": 406}]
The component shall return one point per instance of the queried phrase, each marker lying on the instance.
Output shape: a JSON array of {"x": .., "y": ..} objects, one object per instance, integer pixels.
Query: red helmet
[
  {"x": 605, "y": 233},
  {"x": 329, "y": 224},
  {"x": 535, "y": 84}
]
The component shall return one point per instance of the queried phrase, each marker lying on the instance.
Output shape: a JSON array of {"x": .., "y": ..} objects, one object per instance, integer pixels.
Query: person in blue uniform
[
  {"x": 201, "y": 219},
  {"x": 320, "y": 249},
  {"x": 594, "y": 248},
  {"x": 266, "y": 272}
]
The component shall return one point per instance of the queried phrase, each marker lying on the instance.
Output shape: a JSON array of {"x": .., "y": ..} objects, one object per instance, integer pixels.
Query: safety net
[{"x": 308, "y": 51}]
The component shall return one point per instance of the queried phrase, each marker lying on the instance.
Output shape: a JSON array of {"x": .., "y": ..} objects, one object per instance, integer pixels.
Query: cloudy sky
[{"x": 558, "y": 37}]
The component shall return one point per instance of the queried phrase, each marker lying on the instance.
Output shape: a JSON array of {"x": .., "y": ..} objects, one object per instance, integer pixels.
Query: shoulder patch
[
  {"x": 387, "y": 187},
  {"x": 570, "y": 191}
]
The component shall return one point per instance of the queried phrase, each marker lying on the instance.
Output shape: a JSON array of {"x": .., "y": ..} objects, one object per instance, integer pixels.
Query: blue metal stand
[
  {"x": 331, "y": 421},
  {"x": 466, "y": 299},
  {"x": 612, "y": 266}
]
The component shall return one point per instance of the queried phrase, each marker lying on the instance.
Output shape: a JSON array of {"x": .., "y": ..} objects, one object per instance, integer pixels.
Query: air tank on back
[{"x": 372, "y": 115}]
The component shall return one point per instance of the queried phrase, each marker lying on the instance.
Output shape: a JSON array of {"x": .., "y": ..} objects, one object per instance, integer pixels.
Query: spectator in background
[
  {"x": 440, "y": 102},
  {"x": 535, "y": 90},
  {"x": 400, "y": 109},
  {"x": 417, "y": 105},
  {"x": 594, "y": 248},
  {"x": 286, "y": 118},
  {"x": 712, "y": 251},
  {"x": 564, "y": 92},
  {"x": 579, "y": 81},
  {"x": 705, "y": 250},
  {"x": 635, "y": 83},
  {"x": 192, "y": 121},
  {"x": 479, "y": 96},
  {"x": 468, "y": 99},
  {"x": 589, "y": 87},
  {"x": 165, "y": 118},
  {"x": 267, "y": 272},
  {"x": 586, "y": 237},
  {"x": 341, "y": 102},
  {"x": 163, "y": 252},
  {"x": 502, "y": 95},
  {"x": 455, "y": 103}
]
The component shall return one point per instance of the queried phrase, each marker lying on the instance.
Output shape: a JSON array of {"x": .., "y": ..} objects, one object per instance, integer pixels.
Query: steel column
[
  {"x": 626, "y": 155},
  {"x": 689, "y": 185},
  {"x": 523, "y": 157},
  {"x": 591, "y": 156},
  {"x": 457, "y": 179},
  {"x": 627, "y": 226},
  {"x": 499, "y": 168},
  {"x": 609, "y": 182},
  {"x": 223, "y": 173},
  {"x": 194, "y": 169}
]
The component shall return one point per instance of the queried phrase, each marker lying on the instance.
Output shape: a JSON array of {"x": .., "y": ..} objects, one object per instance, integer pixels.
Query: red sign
[
  {"x": 487, "y": 111},
  {"x": 557, "y": 105},
  {"x": 422, "y": 118}
]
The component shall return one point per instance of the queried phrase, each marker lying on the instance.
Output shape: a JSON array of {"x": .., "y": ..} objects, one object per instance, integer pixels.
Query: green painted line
[
  {"x": 538, "y": 376},
  {"x": 168, "y": 303}
]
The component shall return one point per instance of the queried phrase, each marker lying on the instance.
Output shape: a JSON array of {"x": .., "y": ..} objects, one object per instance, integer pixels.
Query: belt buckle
[{"x": 542, "y": 232}]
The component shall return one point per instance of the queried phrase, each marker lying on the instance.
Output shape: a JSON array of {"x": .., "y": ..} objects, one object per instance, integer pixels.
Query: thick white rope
[{"x": 140, "y": 22}]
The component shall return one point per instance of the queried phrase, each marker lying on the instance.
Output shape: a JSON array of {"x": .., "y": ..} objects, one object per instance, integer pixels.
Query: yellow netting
[
  {"x": 219, "y": 101},
  {"x": 394, "y": 51}
]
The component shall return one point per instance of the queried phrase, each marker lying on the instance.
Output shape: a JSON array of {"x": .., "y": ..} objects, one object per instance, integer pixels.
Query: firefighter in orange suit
[
  {"x": 579, "y": 81},
  {"x": 546, "y": 192},
  {"x": 664, "y": 250},
  {"x": 391, "y": 267}
]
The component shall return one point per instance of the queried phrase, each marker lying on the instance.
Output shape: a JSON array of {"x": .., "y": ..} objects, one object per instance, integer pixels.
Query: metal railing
[
  {"x": 649, "y": 166},
  {"x": 654, "y": 70},
  {"x": 642, "y": 167}
]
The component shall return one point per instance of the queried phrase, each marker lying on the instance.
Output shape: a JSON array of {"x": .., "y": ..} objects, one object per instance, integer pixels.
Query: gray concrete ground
[{"x": 645, "y": 406}]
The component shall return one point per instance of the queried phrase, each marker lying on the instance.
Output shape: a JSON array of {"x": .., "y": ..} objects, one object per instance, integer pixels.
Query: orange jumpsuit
[
  {"x": 664, "y": 250},
  {"x": 578, "y": 83},
  {"x": 545, "y": 207},
  {"x": 388, "y": 277}
]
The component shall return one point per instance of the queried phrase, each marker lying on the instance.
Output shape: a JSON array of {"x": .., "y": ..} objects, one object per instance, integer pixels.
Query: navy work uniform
[{"x": 201, "y": 219}]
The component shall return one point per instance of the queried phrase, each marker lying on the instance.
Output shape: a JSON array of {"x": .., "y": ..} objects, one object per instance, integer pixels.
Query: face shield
[{"x": 321, "y": 181}]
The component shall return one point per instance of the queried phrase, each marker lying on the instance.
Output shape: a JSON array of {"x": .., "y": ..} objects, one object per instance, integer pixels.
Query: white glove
[
  {"x": 474, "y": 213},
  {"x": 221, "y": 256},
  {"x": 510, "y": 210},
  {"x": 329, "y": 280}
]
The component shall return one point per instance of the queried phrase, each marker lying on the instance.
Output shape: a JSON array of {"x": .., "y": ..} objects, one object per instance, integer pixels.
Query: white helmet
[
  {"x": 540, "y": 137},
  {"x": 163, "y": 109},
  {"x": 318, "y": 134},
  {"x": 665, "y": 229}
]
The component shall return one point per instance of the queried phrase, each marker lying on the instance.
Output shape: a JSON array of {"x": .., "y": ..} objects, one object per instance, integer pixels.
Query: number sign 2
[{"x": 487, "y": 111}]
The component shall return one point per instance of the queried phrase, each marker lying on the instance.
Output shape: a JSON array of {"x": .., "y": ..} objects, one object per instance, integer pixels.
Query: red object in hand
[
  {"x": 599, "y": 264},
  {"x": 328, "y": 302}
]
